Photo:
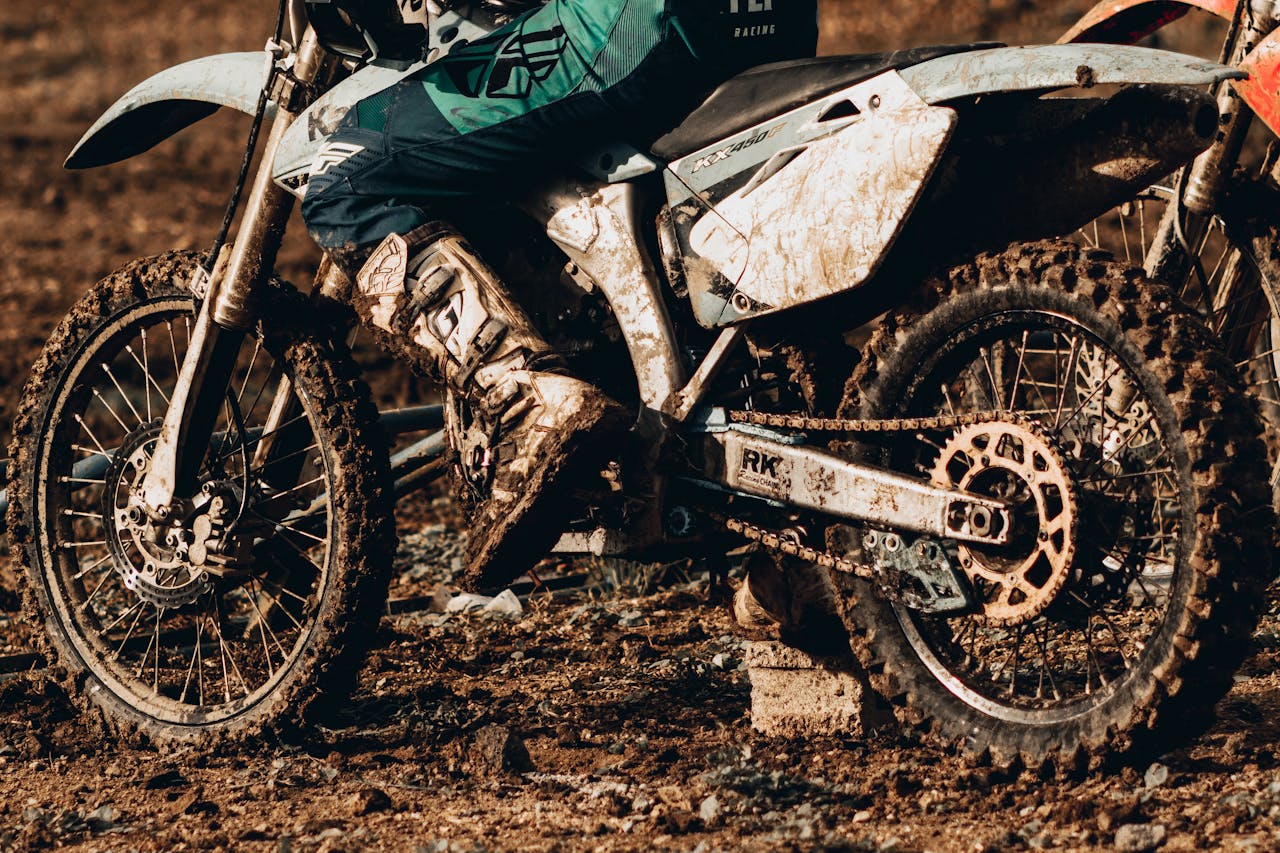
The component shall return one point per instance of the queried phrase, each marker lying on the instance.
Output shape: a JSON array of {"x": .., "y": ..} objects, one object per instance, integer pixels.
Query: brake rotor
[
  {"x": 1117, "y": 413},
  {"x": 149, "y": 561},
  {"x": 1014, "y": 462}
]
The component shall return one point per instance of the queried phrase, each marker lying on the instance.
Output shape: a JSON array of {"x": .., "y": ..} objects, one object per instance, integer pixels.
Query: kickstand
[{"x": 538, "y": 585}]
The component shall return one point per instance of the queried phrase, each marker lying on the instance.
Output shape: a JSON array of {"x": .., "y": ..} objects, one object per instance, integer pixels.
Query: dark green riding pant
[{"x": 559, "y": 80}]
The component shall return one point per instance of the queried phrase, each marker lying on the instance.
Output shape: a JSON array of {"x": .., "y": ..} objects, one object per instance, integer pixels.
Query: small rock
[
  {"x": 367, "y": 801},
  {"x": 709, "y": 811},
  {"x": 1157, "y": 774},
  {"x": 680, "y": 821},
  {"x": 166, "y": 779},
  {"x": 1139, "y": 837},
  {"x": 505, "y": 602},
  {"x": 101, "y": 819},
  {"x": 630, "y": 618},
  {"x": 498, "y": 749}
]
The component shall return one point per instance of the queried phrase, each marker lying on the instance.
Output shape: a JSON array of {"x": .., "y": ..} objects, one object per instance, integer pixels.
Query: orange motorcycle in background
[{"x": 1211, "y": 230}]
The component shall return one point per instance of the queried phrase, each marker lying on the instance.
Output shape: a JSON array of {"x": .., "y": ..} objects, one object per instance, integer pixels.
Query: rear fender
[
  {"x": 1262, "y": 90},
  {"x": 167, "y": 102},
  {"x": 1057, "y": 66},
  {"x": 1127, "y": 21}
]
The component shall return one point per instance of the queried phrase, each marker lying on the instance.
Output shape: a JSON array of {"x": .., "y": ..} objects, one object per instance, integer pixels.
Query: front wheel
[
  {"x": 1126, "y": 446},
  {"x": 260, "y": 600}
]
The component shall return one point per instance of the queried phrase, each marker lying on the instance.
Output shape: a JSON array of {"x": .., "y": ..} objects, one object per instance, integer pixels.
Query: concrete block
[{"x": 796, "y": 695}]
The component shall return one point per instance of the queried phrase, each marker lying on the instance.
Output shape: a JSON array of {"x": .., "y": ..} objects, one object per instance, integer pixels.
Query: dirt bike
[
  {"x": 1033, "y": 488},
  {"x": 1211, "y": 230}
]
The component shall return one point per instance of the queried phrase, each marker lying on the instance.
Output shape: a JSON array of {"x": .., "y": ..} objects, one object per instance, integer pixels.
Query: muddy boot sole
[{"x": 529, "y": 527}]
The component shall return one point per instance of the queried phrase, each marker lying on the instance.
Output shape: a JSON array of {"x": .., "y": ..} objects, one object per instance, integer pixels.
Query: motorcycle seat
[{"x": 758, "y": 94}]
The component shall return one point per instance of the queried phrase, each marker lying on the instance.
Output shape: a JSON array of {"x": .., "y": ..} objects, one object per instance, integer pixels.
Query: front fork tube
[{"x": 225, "y": 316}]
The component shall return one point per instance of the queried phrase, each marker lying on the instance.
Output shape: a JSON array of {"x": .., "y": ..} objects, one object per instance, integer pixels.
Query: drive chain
[
  {"x": 826, "y": 559},
  {"x": 785, "y": 545},
  {"x": 804, "y": 422}
]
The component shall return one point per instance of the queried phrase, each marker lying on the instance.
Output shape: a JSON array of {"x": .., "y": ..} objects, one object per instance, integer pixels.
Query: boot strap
[
  {"x": 431, "y": 288},
  {"x": 479, "y": 348}
]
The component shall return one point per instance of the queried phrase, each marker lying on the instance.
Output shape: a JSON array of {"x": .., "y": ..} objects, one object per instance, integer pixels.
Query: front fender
[
  {"x": 1058, "y": 66},
  {"x": 1127, "y": 21},
  {"x": 1262, "y": 90},
  {"x": 167, "y": 102}
]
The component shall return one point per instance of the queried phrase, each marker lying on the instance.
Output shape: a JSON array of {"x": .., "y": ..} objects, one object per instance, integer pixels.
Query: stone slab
[{"x": 796, "y": 695}]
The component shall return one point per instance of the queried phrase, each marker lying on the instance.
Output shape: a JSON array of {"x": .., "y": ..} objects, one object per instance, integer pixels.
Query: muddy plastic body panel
[
  {"x": 810, "y": 203},
  {"x": 1057, "y": 66}
]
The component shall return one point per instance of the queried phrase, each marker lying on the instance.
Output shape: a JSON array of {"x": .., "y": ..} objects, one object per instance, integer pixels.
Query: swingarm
[{"x": 757, "y": 462}]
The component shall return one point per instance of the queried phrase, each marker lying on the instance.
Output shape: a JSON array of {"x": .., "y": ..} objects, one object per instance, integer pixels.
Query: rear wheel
[
  {"x": 257, "y": 603},
  {"x": 1128, "y": 452}
]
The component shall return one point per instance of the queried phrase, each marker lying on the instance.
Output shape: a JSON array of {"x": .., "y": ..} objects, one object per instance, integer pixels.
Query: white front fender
[
  {"x": 1056, "y": 66},
  {"x": 167, "y": 102}
]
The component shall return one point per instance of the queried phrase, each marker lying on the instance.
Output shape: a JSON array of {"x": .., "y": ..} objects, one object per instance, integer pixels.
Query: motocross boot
[{"x": 519, "y": 426}]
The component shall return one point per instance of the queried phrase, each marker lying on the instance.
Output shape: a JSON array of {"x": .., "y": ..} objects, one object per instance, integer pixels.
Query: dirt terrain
[{"x": 616, "y": 718}]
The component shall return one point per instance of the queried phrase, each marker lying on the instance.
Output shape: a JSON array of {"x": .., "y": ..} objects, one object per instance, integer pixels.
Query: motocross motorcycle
[
  {"x": 1210, "y": 230},
  {"x": 1033, "y": 489}
]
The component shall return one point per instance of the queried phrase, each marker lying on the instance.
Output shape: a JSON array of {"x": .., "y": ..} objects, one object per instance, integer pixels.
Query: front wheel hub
[{"x": 1014, "y": 462}]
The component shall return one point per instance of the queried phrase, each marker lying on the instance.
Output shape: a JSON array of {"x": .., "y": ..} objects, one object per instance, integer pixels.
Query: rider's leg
[
  {"x": 417, "y": 149},
  {"x": 478, "y": 123},
  {"x": 493, "y": 115},
  {"x": 524, "y": 424}
]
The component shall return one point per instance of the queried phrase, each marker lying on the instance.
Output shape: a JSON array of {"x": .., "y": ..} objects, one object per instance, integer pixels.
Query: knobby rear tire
[{"x": 1213, "y": 610}]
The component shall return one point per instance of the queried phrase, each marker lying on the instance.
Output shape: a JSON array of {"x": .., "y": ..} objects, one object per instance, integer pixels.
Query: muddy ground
[{"x": 629, "y": 702}]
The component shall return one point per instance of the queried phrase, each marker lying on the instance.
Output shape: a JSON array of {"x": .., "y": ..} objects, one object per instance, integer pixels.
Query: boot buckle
[{"x": 480, "y": 348}]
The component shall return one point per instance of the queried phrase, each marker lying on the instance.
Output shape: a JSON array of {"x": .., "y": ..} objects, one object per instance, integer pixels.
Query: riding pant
[{"x": 493, "y": 114}]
